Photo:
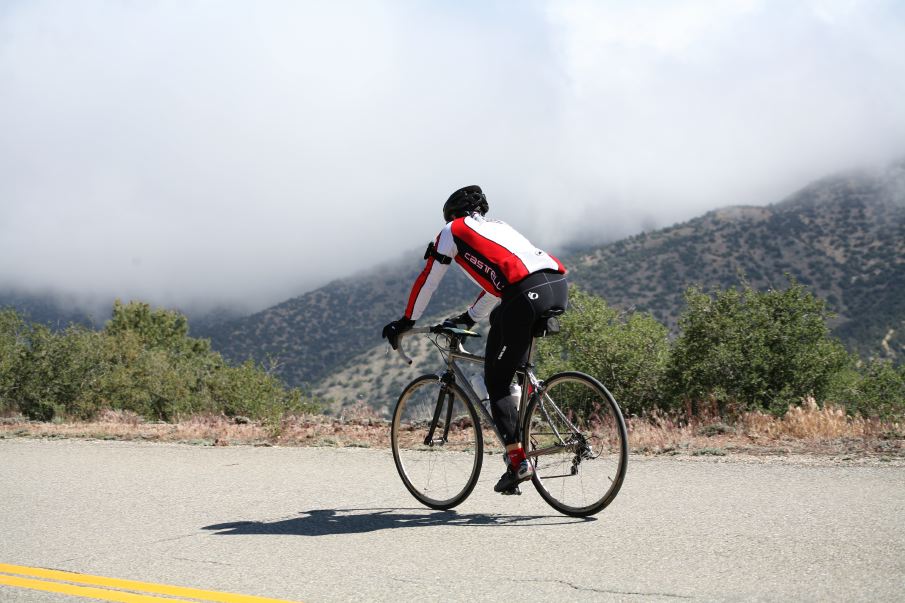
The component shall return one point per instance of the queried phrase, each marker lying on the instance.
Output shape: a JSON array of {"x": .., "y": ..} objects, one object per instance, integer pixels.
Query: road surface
[{"x": 323, "y": 524}]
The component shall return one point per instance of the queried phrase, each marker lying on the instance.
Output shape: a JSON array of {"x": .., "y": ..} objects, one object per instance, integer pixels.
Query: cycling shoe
[{"x": 512, "y": 478}]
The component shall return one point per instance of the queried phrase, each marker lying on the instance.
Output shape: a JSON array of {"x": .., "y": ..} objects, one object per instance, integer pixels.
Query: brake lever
[{"x": 402, "y": 354}]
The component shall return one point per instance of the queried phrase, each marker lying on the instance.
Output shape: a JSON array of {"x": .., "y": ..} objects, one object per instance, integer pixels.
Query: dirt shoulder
[{"x": 751, "y": 439}]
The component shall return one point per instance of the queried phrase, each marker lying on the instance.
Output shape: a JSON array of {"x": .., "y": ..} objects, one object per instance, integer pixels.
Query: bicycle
[{"x": 570, "y": 427}]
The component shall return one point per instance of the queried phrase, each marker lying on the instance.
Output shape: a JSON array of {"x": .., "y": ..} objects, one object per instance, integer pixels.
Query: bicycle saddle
[{"x": 547, "y": 323}]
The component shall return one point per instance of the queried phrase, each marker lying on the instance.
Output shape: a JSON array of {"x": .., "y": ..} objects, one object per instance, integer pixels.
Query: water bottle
[
  {"x": 477, "y": 384},
  {"x": 516, "y": 390}
]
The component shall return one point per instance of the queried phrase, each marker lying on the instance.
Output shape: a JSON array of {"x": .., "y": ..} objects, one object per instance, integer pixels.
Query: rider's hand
[
  {"x": 462, "y": 319},
  {"x": 396, "y": 328}
]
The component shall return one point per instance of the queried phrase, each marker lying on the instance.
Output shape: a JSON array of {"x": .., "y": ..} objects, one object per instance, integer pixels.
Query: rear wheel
[
  {"x": 440, "y": 467},
  {"x": 576, "y": 436}
]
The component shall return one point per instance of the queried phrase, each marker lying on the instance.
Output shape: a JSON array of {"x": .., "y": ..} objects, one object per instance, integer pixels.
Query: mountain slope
[
  {"x": 310, "y": 335},
  {"x": 48, "y": 309},
  {"x": 844, "y": 237}
]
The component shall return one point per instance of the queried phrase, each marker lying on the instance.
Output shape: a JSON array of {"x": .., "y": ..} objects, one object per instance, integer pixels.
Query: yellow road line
[
  {"x": 82, "y": 591},
  {"x": 108, "y": 595}
]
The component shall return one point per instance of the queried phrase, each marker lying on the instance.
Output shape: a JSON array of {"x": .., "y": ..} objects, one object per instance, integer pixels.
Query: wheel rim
[
  {"x": 584, "y": 476},
  {"x": 442, "y": 474}
]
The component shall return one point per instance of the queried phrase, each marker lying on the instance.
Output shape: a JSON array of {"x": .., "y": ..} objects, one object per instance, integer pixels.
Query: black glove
[
  {"x": 462, "y": 319},
  {"x": 396, "y": 328}
]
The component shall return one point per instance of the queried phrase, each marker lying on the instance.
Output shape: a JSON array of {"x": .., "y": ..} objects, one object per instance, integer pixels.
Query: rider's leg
[
  {"x": 508, "y": 344},
  {"x": 509, "y": 340},
  {"x": 505, "y": 415}
]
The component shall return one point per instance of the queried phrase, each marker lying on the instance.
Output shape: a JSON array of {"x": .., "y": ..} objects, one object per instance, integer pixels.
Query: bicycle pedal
[{"x": 514, "y": 491}]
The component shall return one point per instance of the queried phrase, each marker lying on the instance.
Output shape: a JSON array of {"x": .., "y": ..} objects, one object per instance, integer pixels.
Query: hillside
[
  {"x": 843, "y": 237},
  {"x": 48, "y": 309},
  {"x": 309, "y": 336},
  {"x": 376, "y": 376}
]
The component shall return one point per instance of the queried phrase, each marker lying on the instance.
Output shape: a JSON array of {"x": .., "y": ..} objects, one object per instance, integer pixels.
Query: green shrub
[
  {"x": 143, "y": 361},
  {"x": 760, "y": 350},
  {"x": 12, "y": 348},
  {"x": 876, "y": 389},
  {"x": 626, "y": 351},
  {"x": 156, "y": 329},
  {"x": 248, "y": 390},
  {"x": 56, "y": 370}
]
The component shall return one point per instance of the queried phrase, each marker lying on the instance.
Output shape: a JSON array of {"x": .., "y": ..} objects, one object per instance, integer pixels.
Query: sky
[{"x": 217, "y": 153}]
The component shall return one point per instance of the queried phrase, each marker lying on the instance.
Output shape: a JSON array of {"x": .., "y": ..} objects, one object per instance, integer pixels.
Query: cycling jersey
[{"x": 490, "y": 252}]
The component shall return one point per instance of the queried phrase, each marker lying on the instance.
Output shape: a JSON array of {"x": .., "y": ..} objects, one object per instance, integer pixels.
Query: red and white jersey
[{"x": 493, "y": 255}]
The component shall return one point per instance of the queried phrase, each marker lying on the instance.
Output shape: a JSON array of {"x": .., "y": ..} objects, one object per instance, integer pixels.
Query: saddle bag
[{"x": 548, "y": 323}]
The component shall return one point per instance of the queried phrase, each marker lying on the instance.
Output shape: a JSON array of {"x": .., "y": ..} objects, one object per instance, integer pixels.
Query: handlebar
[
  {"x": 439, "y": 329},
  {"x": 399, "y": 339}
]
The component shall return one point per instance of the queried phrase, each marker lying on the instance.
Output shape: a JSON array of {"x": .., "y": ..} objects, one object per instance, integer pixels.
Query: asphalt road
[{"x": 320, "y": 524}]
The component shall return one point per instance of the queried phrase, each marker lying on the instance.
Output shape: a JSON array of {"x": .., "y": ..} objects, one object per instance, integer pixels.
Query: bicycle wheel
[
  {"x": 439, "y": 468},
  {"x": 576, "y": 436}
]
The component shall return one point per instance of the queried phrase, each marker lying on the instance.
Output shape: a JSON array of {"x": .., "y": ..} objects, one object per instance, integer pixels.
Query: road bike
[{"x": 569, "y": 424}]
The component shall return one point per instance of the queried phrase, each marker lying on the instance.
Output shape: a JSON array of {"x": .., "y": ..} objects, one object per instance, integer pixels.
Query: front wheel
[
  {"x": 576, "y": 437},
  {"x": 437, "y": 442}
]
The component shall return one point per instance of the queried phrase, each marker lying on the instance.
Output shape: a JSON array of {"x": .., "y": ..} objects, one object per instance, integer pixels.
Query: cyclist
[{"x": 518, "y": 282}]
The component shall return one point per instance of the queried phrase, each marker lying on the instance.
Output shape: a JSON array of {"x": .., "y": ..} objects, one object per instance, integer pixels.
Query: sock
[{"x": 516, "y": 457}]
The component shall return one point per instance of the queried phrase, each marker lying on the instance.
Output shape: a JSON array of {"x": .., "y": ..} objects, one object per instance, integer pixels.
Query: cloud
[{"x": 239, "y": 153}]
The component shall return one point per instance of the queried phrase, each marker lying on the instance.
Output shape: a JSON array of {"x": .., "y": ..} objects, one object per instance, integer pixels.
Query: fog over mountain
[{"x": 234, "y": 153}]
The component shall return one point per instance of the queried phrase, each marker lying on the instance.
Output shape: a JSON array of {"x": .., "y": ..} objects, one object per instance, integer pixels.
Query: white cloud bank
[{"x": 237, "y": 152}]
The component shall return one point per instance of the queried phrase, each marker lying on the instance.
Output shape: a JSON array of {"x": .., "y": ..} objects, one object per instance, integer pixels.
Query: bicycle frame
[
  {"x": 548, "y": 432},
  {"x": 532, "y": 387}
]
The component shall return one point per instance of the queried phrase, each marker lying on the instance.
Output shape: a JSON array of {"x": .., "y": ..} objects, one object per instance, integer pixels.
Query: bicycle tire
[
  {"x": 575, "y": 486},
  {"x": 439, "y": 476}
]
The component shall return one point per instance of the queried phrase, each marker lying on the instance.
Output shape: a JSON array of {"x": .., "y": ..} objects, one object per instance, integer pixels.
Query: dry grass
[
  {"x": 808, "y": 429},
  {"x": 357, "y": 427},
  {"x": 803, "y": 429},
  {"x": 117, "y": 425}
]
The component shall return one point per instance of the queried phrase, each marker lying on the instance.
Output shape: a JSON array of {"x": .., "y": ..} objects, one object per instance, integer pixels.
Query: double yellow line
[{"x": 113, "y": 589}]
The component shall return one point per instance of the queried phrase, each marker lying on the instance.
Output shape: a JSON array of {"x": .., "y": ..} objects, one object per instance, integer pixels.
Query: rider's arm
[
  {"x": 438, "y": 262},
  {"x": 482, "y": 306}
]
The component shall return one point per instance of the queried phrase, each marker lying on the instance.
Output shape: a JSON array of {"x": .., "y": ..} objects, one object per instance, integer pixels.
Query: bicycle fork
[{"x": 447, "y": 394}]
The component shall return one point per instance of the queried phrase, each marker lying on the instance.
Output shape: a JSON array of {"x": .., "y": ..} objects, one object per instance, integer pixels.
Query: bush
[
  {"x": 626, "y": 351},
  {"x": 759, "y": 350},
  {"x": 155, "y": 329},
  {"x": 57, "y": 370},
  {"x": 11, "y": 351},
  {"x": 143, "y": 361},
  {"x": 876, "y": 389},
  {"x": 248, "y": 390}
]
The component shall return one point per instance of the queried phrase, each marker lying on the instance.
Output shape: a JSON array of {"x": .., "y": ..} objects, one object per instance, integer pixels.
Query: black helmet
[{"x": 463, "y": 202}]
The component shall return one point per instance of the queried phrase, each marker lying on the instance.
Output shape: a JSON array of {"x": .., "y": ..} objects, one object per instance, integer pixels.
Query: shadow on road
[{"x": 321, "y": 522}]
